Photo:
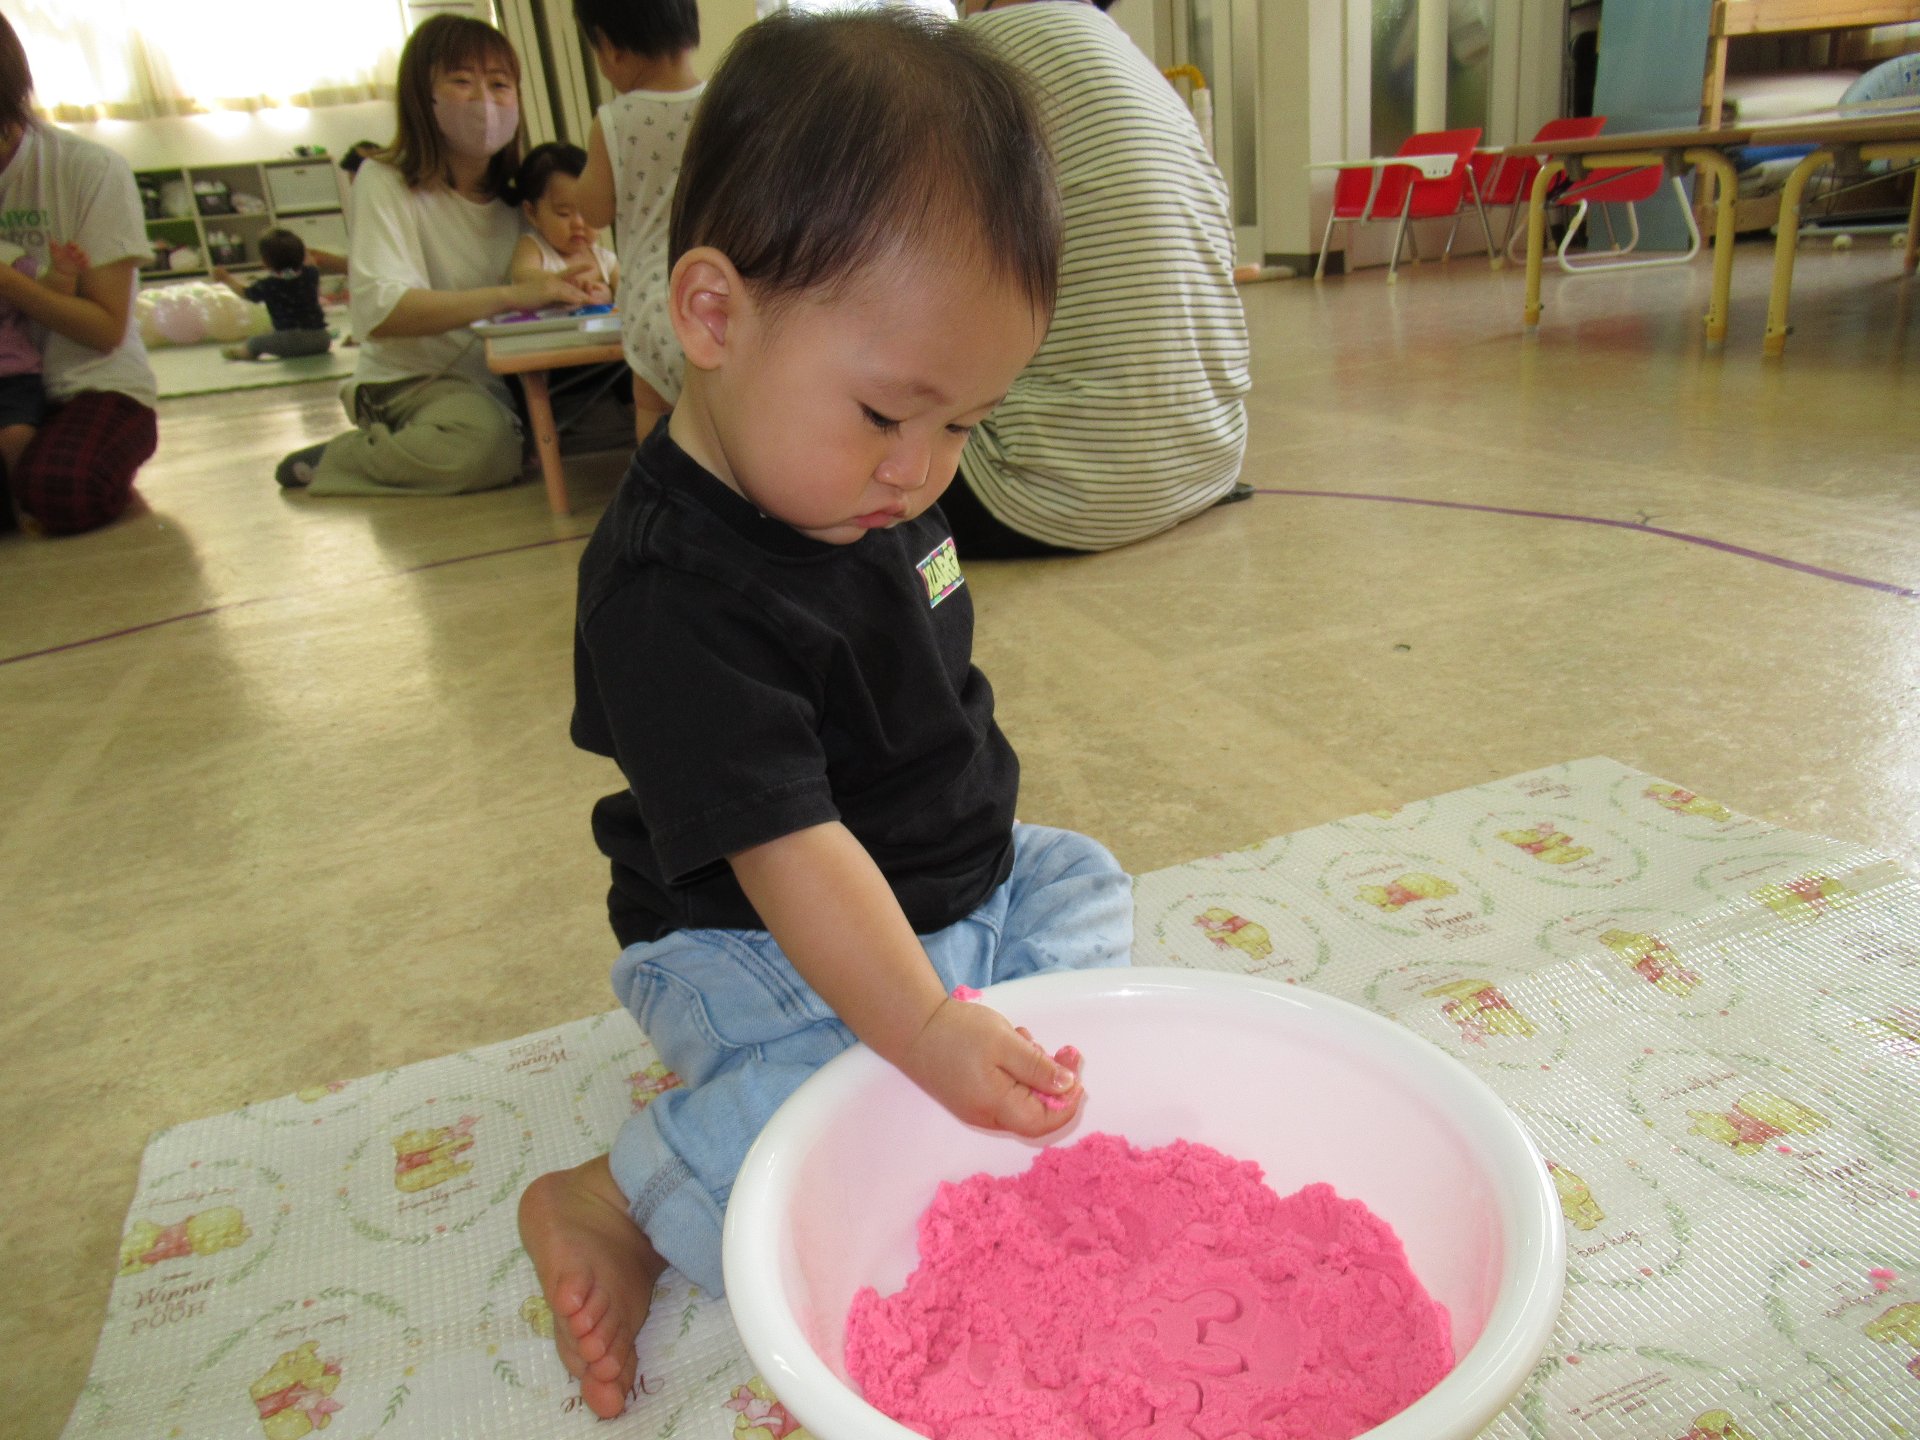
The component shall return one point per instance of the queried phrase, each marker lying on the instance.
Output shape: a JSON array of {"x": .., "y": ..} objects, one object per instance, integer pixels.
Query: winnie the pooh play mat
[{"x": 1710, "y": 1025}]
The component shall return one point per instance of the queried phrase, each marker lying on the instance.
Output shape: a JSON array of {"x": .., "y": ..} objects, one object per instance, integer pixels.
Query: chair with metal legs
[
  {"x": 1502, "y": 179},
  {"x": 1426, "y": 180},
  {"x": 1618, "y": 186}
]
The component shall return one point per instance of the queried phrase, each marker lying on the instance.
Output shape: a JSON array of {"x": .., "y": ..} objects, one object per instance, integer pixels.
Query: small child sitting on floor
[
  {"x": 816, "y": 842},
  {"x": 559, "y": 241},
  {"x": 23, "y": 395},
  {"x": 291, "y": 293}
]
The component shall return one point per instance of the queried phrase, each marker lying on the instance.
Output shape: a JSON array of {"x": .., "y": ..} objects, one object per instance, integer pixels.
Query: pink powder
[{"x": 1110, "y": 1292}]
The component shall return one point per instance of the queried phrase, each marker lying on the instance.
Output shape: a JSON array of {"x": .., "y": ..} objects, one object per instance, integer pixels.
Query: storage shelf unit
[{"x": 305, "y": 196}]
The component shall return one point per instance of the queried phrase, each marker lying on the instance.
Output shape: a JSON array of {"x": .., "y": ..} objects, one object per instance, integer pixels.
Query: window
[{"x": 133, "y": 60}]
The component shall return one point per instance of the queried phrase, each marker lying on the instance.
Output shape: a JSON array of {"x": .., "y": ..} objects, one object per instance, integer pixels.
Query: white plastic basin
[{"x": 1311, "y": 1088}]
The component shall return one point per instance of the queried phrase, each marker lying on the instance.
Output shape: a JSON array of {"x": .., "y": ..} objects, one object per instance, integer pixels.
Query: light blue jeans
[{"x": 733, "y": 1019}]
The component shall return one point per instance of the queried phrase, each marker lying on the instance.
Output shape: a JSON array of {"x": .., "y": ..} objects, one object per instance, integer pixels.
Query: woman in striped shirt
[{"x": 1131, "y": 417}]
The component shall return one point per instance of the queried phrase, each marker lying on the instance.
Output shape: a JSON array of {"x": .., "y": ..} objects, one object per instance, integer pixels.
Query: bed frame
[{"x": 1773, "y": 17}]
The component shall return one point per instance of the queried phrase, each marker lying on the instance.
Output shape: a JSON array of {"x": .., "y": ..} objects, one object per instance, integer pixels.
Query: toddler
[
  {"x": 23, "y": 396},
  {"x": 559, "y": 241},
  {"x": 633, "y": 159},
  {"x": 291, "y": 293},
  {"x": 815, "y": 843}
]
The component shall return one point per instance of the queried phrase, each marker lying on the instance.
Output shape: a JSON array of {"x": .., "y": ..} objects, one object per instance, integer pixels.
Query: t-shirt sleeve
[
  {"x": 108, "y": 222},
  {"x": 257, "y": 292},
  {"x": 718, "y": 738},
  {"x": 384, "y": 255}
]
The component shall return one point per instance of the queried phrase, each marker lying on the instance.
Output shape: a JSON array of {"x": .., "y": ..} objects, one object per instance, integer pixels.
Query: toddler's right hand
[{"x": 988, "y": 1073}]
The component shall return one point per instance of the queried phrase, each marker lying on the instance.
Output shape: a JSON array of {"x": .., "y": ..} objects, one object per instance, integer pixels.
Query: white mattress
[{"x": 1751, "y": 99}]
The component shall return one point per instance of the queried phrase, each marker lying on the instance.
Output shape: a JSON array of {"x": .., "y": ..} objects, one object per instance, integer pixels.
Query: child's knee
[
  {"x": 1071, "y": 906},
  {"x": 482, "y": 434},
  {"x": 1052, "y": 856}
]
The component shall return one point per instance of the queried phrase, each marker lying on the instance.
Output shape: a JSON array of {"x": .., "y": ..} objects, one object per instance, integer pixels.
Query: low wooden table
[
  {"x": 1881, "y": 137},
  {"x": 1665, "y": 148},
  {"x": 532, "y": 367}
]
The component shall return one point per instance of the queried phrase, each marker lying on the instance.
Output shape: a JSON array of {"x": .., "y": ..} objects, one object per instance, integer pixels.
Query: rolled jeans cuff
[{"x": 668, "y": 1203}]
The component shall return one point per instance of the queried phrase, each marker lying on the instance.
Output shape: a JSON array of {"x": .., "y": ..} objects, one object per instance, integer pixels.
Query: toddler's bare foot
[{"x": 597, "y": 1270}]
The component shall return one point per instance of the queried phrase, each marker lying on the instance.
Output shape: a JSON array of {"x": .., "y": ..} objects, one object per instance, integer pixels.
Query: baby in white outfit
[{"x": 559, "y": 240}]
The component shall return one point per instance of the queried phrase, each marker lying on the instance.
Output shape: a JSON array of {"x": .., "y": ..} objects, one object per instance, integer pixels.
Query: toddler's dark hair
[
  {"x": 536, "y": 172},
  {"x": 282, "y": 250},
  {"x": 358, "y": 155},
  {"x": 825, "y": 142},
  {"x": 657, "y": 29}
]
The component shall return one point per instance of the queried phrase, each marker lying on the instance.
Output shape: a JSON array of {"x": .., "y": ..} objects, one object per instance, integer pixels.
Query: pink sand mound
[{"x": 1110, "y": 1292}]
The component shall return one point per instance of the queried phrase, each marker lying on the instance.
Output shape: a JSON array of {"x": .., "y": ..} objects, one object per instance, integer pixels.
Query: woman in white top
[
  {"x": 431, "y": 236},
  {"x": 98, "y": 427},
  {"x": 1130, "y": 418}
]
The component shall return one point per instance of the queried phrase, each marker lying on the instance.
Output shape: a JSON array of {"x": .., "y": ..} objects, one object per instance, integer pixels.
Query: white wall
[
  {"x": 235, "y": 135},
  {"x": 1313, "y": 105},
  {"x": 1146, "y": 24}
]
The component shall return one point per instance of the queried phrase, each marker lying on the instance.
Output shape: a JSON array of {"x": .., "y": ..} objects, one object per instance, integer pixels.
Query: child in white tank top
[{"x": 645, "y": 52}]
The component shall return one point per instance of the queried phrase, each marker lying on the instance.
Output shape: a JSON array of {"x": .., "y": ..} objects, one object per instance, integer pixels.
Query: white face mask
[{"x": 476, "y": 129}]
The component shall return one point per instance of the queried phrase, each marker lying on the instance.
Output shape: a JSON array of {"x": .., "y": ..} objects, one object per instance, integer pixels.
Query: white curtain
[{"x": 135, "y": 59}]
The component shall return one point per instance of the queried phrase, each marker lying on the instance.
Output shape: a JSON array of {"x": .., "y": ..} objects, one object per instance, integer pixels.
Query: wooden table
[
  {"x": 1631, "y": 150},
  {"x": 1880, "y": 137},
  {"x": 532, "y": 367}
]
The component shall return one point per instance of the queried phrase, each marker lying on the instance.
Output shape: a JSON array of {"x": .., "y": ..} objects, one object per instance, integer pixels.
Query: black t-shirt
[
  {"x": 752, "y": 682},
  {"x": 292, "y": 298}
]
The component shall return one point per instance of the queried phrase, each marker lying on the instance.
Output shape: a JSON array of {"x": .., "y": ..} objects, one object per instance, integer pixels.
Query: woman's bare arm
[{"x": 94, "y": 316}]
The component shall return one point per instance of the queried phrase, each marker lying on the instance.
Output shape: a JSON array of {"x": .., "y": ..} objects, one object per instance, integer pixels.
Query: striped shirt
[{"x": 1130, "y": 418}]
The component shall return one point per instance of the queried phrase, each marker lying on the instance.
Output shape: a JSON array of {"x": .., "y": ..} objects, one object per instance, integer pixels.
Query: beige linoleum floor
[{"x": 289, "y": 794}]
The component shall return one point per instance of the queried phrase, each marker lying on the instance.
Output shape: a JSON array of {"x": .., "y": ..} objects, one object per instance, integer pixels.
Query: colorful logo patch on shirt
[{"x": 941, "y": 571}]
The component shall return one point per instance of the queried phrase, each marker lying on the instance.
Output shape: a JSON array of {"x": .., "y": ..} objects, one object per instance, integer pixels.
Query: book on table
[{"x": 528, "y": 331}]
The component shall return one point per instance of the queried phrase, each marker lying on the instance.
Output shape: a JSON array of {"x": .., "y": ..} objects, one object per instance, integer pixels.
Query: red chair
[
  {"x": 1426, "y": 180},
  {"x": 1502, "y": 179},
  {"x": 1620, "y": 186}
]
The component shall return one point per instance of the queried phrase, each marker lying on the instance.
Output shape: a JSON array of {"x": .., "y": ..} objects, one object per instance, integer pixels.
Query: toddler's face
[
  {"x": 556, "y": 215},
  {"x": 845, "y": 413}
]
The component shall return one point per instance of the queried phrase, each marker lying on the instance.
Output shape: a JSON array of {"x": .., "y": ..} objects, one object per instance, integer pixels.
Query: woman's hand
[
  {"x": 583, "y": 272},
  {"x": 545, "y": 290},
  {"x": 988, "y": 1073}
]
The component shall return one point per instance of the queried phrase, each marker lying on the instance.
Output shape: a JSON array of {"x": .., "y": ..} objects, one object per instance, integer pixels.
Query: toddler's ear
[{"x": 705, "y": 295}]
